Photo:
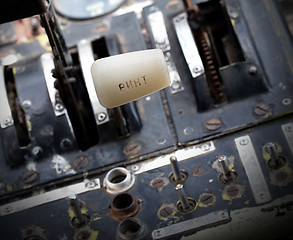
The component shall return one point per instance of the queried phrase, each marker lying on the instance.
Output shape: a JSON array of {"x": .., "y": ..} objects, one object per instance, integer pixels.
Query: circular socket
[
  {"x": 124, "y": 205},
  {"x": 118, "y": 180},
  {"x": 192, "y": 206},
  {"x": 229, "y": 178},
  {"x": 131, "y": 229},
  {"x": 184, "y": 176}
]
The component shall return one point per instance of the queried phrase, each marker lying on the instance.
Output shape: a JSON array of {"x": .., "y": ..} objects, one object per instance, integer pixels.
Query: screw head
[
  {"x": 252, "y": 70},
  {"x": 37, "y": 151},
  {"x": 205, "y": 147},
  {"x": 243, "y": 142},
  {"x": 262, "y": 109},
  {"x": 30, "y": 176},
  {"x": 234, "y": 15},
  {"x": 101, "y": 116},
  {"x": 26, "y": 104},
  {"x": 288, "y": 128},
  {"x": 7, "y": 121},
  {"x": 213, "y": 124},
  {"x": 81, "y": 162},
  {"x": 59, "y": 107},
  {"x": 197, "y": 69},
  {"x": 90, "y": 184}
]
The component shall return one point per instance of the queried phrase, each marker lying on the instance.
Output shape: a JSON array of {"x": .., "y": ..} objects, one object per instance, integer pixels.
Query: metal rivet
[
  {"x": 101, "y": 116},
  {"x": 252, "y": 70},
  {"x": 59, "y": 107},
  {"x": 234, "y": 15},
  {"x": 205, "y": 147},
  {"x": 286, "y": 101}
]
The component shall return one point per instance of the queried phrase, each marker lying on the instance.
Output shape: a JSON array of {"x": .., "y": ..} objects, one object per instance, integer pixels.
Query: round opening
[
  {"x": 123, "y": 201},
  {"x": 192, "y": 206},
  {"x": 184, "y": 176},
  {"x": 118, "y": 178},
  {"x": 129, "y": 227}
]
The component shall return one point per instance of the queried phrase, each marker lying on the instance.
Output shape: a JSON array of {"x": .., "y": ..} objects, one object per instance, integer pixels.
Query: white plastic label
[{"x": 126, "y": 77}]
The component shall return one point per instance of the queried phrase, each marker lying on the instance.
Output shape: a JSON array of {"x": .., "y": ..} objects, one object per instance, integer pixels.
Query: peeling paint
[
  {"x": 230, "y": 162},
  {"x": 232, "y": 191},
  {"x": 281, "y": 177},
  {"x": 61, "y": 165}
]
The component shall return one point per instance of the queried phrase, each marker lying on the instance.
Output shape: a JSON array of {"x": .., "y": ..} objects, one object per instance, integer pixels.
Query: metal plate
[
  {"x": 288, "y": 132},
  {"x": 5, "y": 113},
  {"x": 86, "y": 57},
  {"x": 195, "y": 224},
  {"x": 47, "y": 197},
  {"x": 188, "y": 45},
  {"x": 253, "y": 170}
]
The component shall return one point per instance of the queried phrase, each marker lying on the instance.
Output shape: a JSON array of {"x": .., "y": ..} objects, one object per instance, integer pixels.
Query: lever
[{"x": 126, "y": 77}]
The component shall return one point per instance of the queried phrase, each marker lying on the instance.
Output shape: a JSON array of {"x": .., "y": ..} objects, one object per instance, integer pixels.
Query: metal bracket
[
  {"x": 158, "y": 28},
  {"x": 195, "y": 224},
  {"x": 288, "y": 132},
  {"x": 188, "y": 45},
  {"x": 182, "y": 154},
  {"x": 47, "y": 197},
  {"x": 86, "y": 57},
  {"x": 48, "y": 65},
  {"x": 253, "y": 170},
  {"x": 5, "y": 113}
]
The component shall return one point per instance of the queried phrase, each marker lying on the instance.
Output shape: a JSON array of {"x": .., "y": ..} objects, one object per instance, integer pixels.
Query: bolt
[
  {"x": 37, "y": 151},
  {"x": 74, "y": 203},
  {"x": 7, "y": 121},
  {"x": 101, "y": 116},
  {"x": 234, "y": 15},
  {"x": 176, "y": 170},
  {"x": 83, "y": 234},
  {"x": 262, "y": 109},
  {"x": 182, "y": 196},
  {"x": 213, "y": 124},
  {"x": 81, "y": 162},
  {"x": 252, "y": 70},
  {"x": 244, "y": 142},
  {"x": 59, "y": 107},
  {"x": 30, "y": 176}
]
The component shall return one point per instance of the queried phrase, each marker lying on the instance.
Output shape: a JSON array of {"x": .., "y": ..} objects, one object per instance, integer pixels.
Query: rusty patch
[
  {"x": 206, "y": 199},
  {"x": 124, "y": 205},
  {"x": 281, "y": 177},
  {"x": 167, "y": 211},
  {"x": 159, "y": 183},
  {"x": 132, "y": 149},
  {"x": 198, "y": 171},
  {"x": 231, "y": 192},
  {"x": 81, "y": 162}
]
